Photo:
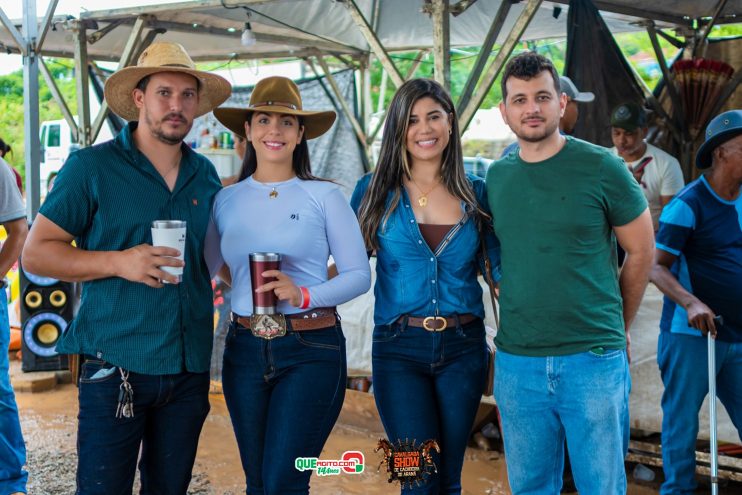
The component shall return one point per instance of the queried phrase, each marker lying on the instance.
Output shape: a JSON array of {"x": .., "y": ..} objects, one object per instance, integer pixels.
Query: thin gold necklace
[
  {"x": 422, "y": 200},
  {"x": 273, "y": 194},
  {"x": 173, "y": 167}
]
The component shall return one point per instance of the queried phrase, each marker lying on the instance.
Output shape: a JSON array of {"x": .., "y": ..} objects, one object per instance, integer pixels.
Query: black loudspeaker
[{"x": 46, "y": 310}]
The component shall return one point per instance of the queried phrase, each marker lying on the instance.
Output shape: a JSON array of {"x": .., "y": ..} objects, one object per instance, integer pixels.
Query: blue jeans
[
  {"x": 683, "y": 362},
  {"x": 169, "y": 411},
  {"x": 428, "y": 385},
  {"x": 581, "y": 397},
  {"x": 12, "y": 449},
  {"x": 284, "y": 396}
]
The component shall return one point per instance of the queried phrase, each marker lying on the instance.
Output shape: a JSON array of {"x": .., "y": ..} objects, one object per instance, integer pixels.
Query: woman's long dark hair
[
  {"x": 300, "y": 161},
  {"x": 394, "y": 160}
]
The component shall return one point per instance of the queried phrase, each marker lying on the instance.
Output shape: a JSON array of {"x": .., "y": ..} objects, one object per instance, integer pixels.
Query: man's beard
[
  {"x": 173, "y": 138},
  {"x": 535, "y": 138}
]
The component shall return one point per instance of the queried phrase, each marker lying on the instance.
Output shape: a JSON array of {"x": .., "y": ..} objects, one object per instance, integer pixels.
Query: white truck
[{"x": 57, "y": 142}]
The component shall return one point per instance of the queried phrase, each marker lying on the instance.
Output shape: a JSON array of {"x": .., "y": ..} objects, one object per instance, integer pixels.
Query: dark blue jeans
[
  {"x": 169, "y": 411},
  {"x": 284, "y": 396},
  {"x": 428, "y": 385}
]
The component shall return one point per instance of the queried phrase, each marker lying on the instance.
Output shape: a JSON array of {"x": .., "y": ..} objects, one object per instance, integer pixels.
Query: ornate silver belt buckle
[{"x": 268, "y": 326}]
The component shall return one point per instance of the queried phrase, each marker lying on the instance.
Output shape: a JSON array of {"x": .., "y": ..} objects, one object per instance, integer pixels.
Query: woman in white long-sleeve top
[{"x": 284, "y": 392}]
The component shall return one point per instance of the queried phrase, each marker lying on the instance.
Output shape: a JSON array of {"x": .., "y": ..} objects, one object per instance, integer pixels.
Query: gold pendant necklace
[
  {"x": 273, "y": 194},
  {"x": 422, "y": 200}
]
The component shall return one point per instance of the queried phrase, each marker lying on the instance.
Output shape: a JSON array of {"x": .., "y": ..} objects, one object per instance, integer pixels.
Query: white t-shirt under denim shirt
[
  {"x": 662, "y": 177},
  {"x": 306, "y": 222}
]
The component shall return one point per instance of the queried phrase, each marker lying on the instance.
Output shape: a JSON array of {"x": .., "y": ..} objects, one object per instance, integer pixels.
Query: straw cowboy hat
[
  {"x": 276, "y": 95},
  {"x": 163, "y": 57}
]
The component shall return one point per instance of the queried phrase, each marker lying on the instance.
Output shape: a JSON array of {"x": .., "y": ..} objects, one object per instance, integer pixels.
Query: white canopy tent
[
  {"x": 211, "y": 29},
  {"x": 352, "y": 31}
]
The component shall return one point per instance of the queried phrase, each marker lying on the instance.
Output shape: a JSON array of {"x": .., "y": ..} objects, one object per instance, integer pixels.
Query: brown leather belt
[
  {"x": 437, "y": 323},
  {"x": 313, "y": 319}
]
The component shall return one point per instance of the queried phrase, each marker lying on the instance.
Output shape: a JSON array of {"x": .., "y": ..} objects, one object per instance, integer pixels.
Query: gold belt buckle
[
  {"x": 427, "y": 321},
  {"x": 268, "y": 326}
]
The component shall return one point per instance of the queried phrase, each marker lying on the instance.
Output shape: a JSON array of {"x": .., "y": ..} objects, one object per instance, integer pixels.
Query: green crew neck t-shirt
[{"x": 559, "y": 289}]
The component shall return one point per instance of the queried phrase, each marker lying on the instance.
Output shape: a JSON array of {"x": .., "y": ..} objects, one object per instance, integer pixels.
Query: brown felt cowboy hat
[
  {"x": 276, "y": 95},
  {"x": 163, "y": 57}
]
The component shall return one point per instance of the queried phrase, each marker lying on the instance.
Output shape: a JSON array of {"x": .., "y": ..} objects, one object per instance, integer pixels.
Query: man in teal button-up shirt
[{"x": 135, "y": 332}]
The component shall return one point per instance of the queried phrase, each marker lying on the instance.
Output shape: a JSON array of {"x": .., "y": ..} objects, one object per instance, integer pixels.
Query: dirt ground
[{"x": 49, "y": 425}]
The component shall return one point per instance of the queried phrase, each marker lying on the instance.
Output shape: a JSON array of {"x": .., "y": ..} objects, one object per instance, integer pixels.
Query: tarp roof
[{"x": 211, "y": 31}]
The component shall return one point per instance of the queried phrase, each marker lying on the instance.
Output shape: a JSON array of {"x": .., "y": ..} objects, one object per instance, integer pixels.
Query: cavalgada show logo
[{"x": 407, "y": 462}]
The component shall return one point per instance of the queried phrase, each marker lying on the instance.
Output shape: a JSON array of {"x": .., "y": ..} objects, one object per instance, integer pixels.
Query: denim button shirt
[{"x": 412, "y": 279}]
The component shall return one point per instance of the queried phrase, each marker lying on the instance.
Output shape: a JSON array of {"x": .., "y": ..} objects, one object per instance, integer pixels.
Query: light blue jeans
[
  {"x": 683, "y": 361},
  {"x": 581, "y": 397},
  {"x": 12, "y": 449}
]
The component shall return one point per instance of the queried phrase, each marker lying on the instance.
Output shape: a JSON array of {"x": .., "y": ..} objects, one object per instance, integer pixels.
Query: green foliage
[
  {"x": 11, "y": 106},
  {"x": 636, "y": 47}
]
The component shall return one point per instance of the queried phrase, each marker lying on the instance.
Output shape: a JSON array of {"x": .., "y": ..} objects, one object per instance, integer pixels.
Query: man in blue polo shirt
[
  {"x": 146, "y": 345},
  {"x": 698, "y": 265}
]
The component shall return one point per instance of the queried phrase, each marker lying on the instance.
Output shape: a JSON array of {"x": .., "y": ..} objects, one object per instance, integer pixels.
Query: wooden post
[
  {"x": 341, "y": 99},
  {"x": 58, "y": 98},
  {"x": 442, "y": 43},
  {"x": 81, "y": 78},
  {"x": 484, "y": 54},
  {"x": 374, "y": 43},
  {"x": 494, "y": 69}
]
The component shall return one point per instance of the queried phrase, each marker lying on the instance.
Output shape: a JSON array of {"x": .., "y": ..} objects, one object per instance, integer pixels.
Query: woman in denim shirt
[{"x": 423, "y": 215}]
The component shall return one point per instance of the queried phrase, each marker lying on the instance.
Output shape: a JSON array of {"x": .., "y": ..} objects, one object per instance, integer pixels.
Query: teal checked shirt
[{"x": 107, "y": 196}]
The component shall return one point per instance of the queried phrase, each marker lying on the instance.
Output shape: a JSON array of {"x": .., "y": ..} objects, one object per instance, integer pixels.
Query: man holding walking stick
[{"x": 698, "y": 266}]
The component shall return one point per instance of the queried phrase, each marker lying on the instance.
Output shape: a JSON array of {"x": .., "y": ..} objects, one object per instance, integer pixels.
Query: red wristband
[{"x": 304, "y": 298}]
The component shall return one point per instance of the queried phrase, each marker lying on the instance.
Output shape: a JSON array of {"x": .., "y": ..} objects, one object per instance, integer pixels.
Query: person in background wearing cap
[
  {"x": 137, "y": 328},
  {"x": 698, "y": 265},
  {"x": 657, "y": 172},
  {"x": 571, "y": 112},
  {"x": 284, "y": 376}
]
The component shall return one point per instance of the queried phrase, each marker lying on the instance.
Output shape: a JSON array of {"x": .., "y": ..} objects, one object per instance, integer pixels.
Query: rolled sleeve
[{"x": 70, "y": 204}]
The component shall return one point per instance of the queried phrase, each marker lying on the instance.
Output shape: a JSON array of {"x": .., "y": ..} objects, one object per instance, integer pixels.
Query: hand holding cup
[
  {"x": 170, "y": 234},
  {"x": 283, "y": 287},
  {"x": 264, "y": 300},
  {"x": 144, "y": 264}
]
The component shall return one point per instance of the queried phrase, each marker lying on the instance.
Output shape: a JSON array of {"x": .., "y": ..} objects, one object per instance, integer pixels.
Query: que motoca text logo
[{"x": 351, "y": 462}]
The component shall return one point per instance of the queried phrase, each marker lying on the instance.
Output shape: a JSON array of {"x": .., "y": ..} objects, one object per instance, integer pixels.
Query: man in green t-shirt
[{"x": 558, "y": 206}]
